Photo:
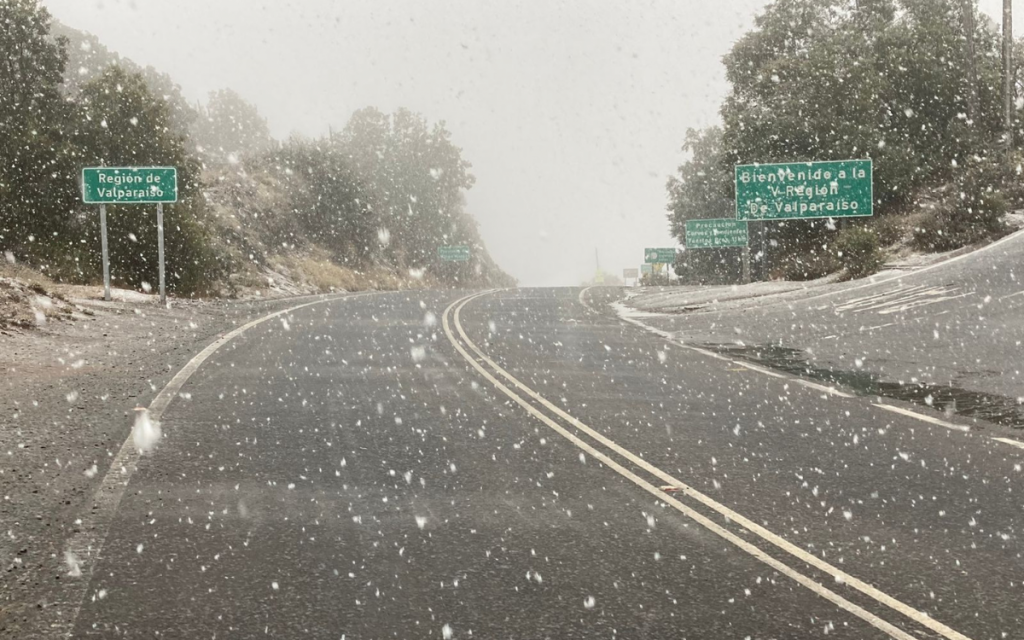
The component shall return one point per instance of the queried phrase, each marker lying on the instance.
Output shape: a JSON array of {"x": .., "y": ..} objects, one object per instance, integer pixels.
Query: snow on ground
[
  {"x": 693, "y": 298},
  {"x": 27, "y": 305},
  {"x": 94, "y": 295}
]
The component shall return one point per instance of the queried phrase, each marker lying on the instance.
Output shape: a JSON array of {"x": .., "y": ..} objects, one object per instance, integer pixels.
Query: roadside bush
[
  {"x": 890, "y": 229},
  {"x": 968, "y": 213},
  {"x": 858, "y": 248},
  {"x": 807, "y": 265},
  {"x": 953, "y": 225}
]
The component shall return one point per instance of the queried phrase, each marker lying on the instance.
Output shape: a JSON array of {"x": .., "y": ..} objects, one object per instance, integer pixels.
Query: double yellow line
[{"x": 516, "y": 391}]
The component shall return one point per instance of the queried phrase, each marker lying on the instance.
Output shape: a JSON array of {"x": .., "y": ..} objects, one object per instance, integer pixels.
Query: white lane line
[
  {"x": 1010, "y": 295},
  {"x": 881, "y": 326},
  {"x": 703, "y": 352},
  {"x": 919, "y": 617},
  {"x": 1011, "y": 442},
  {"x": 754, "y": 367},
  {"x": 820, "y": 387},
  {"x": 800, "y": 381},
  {"x": 87, "y": 543},
  {"x": 920, "y": 416},
  {"x": 661, "y": 496},
  {"x": 806, "y": 383},
  {"x": 667, "y": 336}
]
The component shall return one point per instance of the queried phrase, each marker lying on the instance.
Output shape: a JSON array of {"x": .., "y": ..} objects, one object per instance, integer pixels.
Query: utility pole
[
  {"x": 967, "y": 20},
  {"x": 1008, "y": 73}
]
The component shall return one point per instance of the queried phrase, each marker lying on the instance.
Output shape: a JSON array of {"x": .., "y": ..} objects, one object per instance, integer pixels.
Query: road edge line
[
  {"x": 922, "y": 417},
  {"x": 87, "y": 544}
]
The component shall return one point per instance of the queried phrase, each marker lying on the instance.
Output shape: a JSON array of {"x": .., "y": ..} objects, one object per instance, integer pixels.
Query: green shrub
[
  {"x": 958, "y": 222},
  {"x": 890, "y": 229},
  {"x": 858, "y": 250},
  {"x": 805, "y": 265},
  {"x": 970, "y": 211}
]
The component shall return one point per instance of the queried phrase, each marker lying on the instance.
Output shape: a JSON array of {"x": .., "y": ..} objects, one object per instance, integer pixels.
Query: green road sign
[
  {"x": 714, "y": 233},
  {"x": 454, "y": 253},
  {"x": 833, "y": 189},
  {"x": 647, "y": 268},
  {"x": 660, "y": 256},
  {"x": 630, "y": 273},
  {"x": 138, "y": 185}
]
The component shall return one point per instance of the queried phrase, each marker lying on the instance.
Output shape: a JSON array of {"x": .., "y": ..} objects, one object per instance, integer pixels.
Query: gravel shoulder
[{"x": 67, "y": 390}]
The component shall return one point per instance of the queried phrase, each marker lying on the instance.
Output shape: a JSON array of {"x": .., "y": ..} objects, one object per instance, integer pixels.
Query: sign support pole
[
  {"x": 764, "y": 250},
  {"x": 160, "y": 248},
  {"x": 746, "y": 264},
  {"x": 106, "y": 256}
]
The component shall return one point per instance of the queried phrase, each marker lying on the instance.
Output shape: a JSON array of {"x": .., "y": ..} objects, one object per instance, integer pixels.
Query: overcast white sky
[{"x": 572, "y": 113}]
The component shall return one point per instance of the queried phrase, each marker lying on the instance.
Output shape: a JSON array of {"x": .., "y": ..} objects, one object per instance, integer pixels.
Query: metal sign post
[
  {"x": 160, "y": 248},
  {"x": 764, "y": 250},
  {"x": 130, "y": 185},
  {"x": 106, "y": 256}
]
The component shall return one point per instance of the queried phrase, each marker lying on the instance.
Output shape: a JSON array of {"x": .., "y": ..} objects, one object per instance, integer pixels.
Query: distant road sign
[
  {"x": 833, "y": 189},
  {"x": 630, "y": 273},
  {"x": 660, "y": 255},
  {"x": 453, "y": 253},
  {"x": 137, "y": 185},
  {"x": 647, "y": 268},
  {"x": 714, "y": 233}
]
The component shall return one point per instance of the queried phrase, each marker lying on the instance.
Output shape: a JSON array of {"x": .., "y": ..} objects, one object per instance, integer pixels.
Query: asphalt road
[
  {"x": 519, "y": 465},
  {"x": 957, "y": 326}
]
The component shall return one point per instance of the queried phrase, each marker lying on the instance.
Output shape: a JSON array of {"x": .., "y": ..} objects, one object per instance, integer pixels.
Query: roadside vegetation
[
  {"x": 366, "y": 206},
  {"x": 915, "y": 85}
]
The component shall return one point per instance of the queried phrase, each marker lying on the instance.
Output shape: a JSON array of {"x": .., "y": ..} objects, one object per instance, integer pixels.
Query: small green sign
[
  {"x": 647, "y": 269},
  {"x": 793, "y": 190},
  {"x": 137, "y": 185},
  {"x": 714, "y": 233},
  {"x": 660, "y": 255},
  {"x": 630, "y": 273},
  {"x": 453, "y": 253}
]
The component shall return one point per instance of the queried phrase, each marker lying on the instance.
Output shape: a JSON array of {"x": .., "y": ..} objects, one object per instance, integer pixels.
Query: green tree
[
  {"x": 415, "y": 178},
  {"x": 88, "y": 59},
  {"x": 701, "y": 189},
  {"x": 327, "y": 200},
  {"x": 121, "y": 123},
  {"x": 879, "y": 79},
  {"x": 229, "y": 128},
  {"x": 37, "y": 164}
]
